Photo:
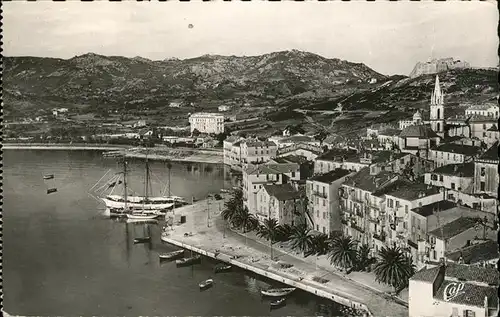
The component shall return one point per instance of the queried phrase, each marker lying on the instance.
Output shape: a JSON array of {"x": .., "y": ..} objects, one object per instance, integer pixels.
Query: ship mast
[
  {"x": 146, "y": 185},
  {"x": 125, "y": 181}
]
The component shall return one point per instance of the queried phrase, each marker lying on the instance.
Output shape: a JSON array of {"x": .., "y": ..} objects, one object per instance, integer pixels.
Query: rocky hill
[{"x": 138, "y": 82}]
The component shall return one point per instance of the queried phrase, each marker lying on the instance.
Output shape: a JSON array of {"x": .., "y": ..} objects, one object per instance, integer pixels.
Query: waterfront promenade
[{"x": 210, "y": 236}]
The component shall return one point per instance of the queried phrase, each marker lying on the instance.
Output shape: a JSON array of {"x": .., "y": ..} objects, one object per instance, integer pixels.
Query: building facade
[{"x": 207, "y": 122}]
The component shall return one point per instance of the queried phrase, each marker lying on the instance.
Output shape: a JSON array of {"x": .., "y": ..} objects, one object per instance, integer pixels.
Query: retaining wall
[{"x": 289, "y": 281}]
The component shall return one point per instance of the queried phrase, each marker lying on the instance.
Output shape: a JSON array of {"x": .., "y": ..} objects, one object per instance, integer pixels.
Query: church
[{"x": 418, "y": 136}]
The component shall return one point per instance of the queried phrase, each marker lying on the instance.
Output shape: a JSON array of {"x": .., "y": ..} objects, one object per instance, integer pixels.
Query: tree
[
  {"x": 394, "y": 267},
  {"x": 364, "y": 260},
  {"x": 284, "y": 232},
  {"x": 320, "y": 244},
  {"x": 233, "y": 206},
  {"x": 195, "y": 133},
  {"x": 269, "y": 230},
  {"x": 343, "y": 252},
  {"x": 243, "y": 219},
  {"x": 301, "y": 239},
  {"x": 320, "y": 136}
]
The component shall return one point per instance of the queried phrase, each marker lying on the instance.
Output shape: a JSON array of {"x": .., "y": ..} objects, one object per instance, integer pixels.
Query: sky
[{"x": 389, "y": 37}]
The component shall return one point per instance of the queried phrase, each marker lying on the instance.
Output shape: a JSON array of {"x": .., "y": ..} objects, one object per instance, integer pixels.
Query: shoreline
[
  {"x": 195, "y": 155},
  {"x": 211, "y": 237}
]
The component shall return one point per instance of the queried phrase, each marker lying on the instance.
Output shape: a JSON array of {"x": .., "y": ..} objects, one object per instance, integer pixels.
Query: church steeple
[
  {"x": 437, "y": 109},
  {"x": 437, "y": 95}
]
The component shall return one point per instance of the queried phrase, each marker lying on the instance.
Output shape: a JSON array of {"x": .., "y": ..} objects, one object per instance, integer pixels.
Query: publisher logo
[{"x": 452, "y": 290}]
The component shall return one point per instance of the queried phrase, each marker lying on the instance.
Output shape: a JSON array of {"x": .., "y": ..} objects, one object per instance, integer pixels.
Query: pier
[{"x": 205, "y": 233}]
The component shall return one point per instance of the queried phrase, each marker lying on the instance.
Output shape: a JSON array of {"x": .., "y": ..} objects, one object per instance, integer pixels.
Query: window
[
  {"x": 293, "y": 174},
  {"x": 317, "y": 227},
  {"x": 324, "y": 215},
  {"x": 454, "y": 312},
  {"x": 406, "y": 209},
  {"x": 452, "y": 185},
  {"x": 483, "y": 186},
  {"x": 324, "y": 202},
  {"x": 397, "y": 203},
  {"x": 317, "y": 213},
  {"x": 401, "y": 161},
  {"x": 440, "y": 178},
  {"x": 324, "y": 230},
  {"x": 469, "y": 313},
  {"x": 434, "y": 254},
  {"x": 483, "y": 171}
]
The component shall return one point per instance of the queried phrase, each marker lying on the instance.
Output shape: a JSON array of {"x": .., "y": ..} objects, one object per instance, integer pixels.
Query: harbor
[{"x": 205, "y": 233}]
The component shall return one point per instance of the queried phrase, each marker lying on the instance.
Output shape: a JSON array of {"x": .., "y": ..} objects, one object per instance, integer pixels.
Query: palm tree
[
  {"x": 284, "y": 232},
  {"x": 243, "y": 219},
  {"x": 233, "y": 205},
  {"x": 394, "y": 267},
  {"x": 343, "y": 252},
  {"x": 363, "y": 259},
  {"x": 269, "y": 230},
  {"x": 301, "y": 239},
  {"x": 320, "y": 244}
]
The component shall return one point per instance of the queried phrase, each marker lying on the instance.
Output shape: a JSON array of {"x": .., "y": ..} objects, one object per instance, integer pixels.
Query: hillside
[{"x": 100, "y": 81}]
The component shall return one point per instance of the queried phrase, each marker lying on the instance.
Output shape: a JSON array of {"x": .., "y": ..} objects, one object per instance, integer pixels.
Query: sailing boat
[{"x": 122, "y": 204}]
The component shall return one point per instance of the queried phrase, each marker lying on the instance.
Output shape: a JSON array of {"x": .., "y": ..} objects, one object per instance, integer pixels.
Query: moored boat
[
  {"x": 188, "y": 261},
  {"x": 142, "y": 240},
  {"x": 277, "y": 303},
  {"x": 206, "y": 284},
  {"x": 48, "y": 176},
  {"x": 222, "y": 267},
  {"x": 171, "y": 255},
  {"x": 51, "y": 190},
  {"x": 277, "y": 292},
  {"x": 142, "y": 216}
]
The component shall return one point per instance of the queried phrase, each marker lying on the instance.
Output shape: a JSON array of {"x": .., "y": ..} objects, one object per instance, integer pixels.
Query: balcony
[
  {"x": 320, "y": 194},
  {"x": 380, "y": 238}
]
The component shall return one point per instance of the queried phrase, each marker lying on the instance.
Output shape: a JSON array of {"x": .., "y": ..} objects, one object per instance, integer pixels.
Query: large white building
[
  {"x": 207, "y": 122},
  {"x": 454, "y": 290}
]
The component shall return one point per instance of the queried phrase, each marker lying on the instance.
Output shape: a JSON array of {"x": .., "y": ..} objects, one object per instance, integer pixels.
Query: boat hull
[
  {"x": 222, "y": 268},
  {"x": 277, "y": 292},
  {"x": 142, "y": 216},
  {"x": 142, "y": 240},
  {"x": 277, "y": 303},
  {"x": 171, "y": 255},
  {"x": 206, "y": 285},
  {"x": 112, "y": 204},
  {"x": 188, "y": 261}
]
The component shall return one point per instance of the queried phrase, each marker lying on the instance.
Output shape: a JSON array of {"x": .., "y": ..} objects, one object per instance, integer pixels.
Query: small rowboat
[
  {"x": 49, "y": 176},
  {"x": 206, "y": 284},
  {"x": 142, "y": 240},
  {"x": 171, "y": 255},
  {"x": 278, "y": 303},
  {"x": 188, "y": 261},
  {"x": 51, "y": 190},
  {"x": 277, "y": 292},
  {"x": 220, "y": 268}
]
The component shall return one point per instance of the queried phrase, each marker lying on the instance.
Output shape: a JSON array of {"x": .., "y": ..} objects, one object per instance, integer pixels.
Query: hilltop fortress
[{"x": 436, "y": 66}]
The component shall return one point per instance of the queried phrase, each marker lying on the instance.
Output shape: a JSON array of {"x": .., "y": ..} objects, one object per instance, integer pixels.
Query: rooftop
[
  {"x": 299, "y": 159},
  {"x": 454, "y": 227},
  {"x": 296, "y": 139},
  {"x": 485, "y": 106},
  {"x": 478, "y": 118},
  {"x": 258, "y": 143},
  {"x": 271, "y": 168},
  {"x": 493, "y": 128},
  {"x": 462, "y": 272},
  {"x": 420, "y": 131},
  {"x": 467, "y": 150},
  {"x": 407, "y": 190},
  {"x": 338, "y": 155},
  {"x": 364, "y": 181},
  {"x": 476, "y": 253},
  {"x": 282, "y": 192},
  {"x": 428, "y": 210},
  {"x": 386, "y": 156},
  {"x": 463, "y": 170},
  {"x": 206, "y": 114},
  {"x": 472, "y": 294},
  {"x": 331, "y": 176},
  {"x": 491, "y": 154}
]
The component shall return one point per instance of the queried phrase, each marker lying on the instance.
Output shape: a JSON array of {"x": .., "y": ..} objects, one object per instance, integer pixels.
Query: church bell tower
[{"x": 437, "y": 110}]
